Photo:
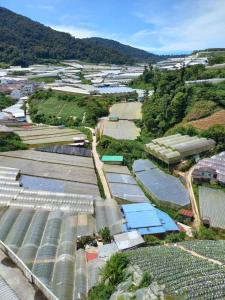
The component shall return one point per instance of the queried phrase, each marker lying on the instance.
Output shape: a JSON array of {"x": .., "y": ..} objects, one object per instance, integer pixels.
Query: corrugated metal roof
[
  {"x": 142, "y": 219},
  {"x": 128, "y": 240},
  {"x": 147, "y": 219}
]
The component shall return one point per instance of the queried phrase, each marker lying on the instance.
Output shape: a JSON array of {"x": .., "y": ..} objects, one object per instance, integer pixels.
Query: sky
[{"x": 159, "y": 26}]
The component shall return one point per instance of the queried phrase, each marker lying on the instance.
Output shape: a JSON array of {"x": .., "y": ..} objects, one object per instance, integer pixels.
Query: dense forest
[{"x": 23, "y": 42}]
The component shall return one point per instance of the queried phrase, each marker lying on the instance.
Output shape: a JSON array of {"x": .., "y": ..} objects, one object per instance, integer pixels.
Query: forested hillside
[
  {"x": 23, "y": 41},
  {"x": 174, "y": 103}
]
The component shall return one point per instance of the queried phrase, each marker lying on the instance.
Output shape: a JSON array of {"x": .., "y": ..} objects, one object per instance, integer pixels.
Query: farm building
[
  {"x": 127, "y": 240},
  {"x": 147, "y": 219},
  {"x": 112, "y": 159},
  {"x": 163, "y": 188},
  {"x": 215, "y": 169},
  {"x": 172, "y": 149},
  {"x": 204, "y": 174},
  {"x": 212, "y": 207}
]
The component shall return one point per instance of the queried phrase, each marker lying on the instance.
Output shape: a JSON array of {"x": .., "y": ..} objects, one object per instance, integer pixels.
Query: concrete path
[
  {"x": 197, "y": 219},
  {"x": 99, "y": 165}
]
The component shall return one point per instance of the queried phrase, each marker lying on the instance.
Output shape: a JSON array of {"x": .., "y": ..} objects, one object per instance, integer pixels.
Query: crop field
[
  {"x": 218, "y": 118},
  {"x": 212, "y": 206},
  {"x": 121, "y": 130},
  {"x": 127, "y": 110},
  {"x": 60, "y": 108},
  {"x": 184, "y": 275},
  {"x": 212, "y": 249}
]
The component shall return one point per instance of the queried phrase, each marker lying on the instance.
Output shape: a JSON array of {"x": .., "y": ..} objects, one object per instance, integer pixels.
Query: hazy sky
[{"x": 162, "y": 26}]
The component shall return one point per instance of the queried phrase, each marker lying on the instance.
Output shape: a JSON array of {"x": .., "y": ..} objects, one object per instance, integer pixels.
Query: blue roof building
[{"x": 147, "y": 219}]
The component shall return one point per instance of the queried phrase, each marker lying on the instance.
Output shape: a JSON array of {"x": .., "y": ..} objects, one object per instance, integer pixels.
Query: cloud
[
  {"x": 83, "y": 32},
  {"x": 78, "y": 32},
  {"x": 185, "y": 25}
]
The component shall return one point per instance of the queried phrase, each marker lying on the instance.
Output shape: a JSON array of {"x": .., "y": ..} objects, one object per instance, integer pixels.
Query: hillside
[
  {"x": 23, "y": 41},
  {"x": 137, "y": 54}
]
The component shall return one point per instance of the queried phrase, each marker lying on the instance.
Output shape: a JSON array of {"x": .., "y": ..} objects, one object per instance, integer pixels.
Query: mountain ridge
[{"x": 24, "y": 41}]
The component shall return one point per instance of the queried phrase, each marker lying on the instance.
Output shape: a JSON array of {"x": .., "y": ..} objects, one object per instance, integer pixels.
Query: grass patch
[
  {"x": 11, "y": 142},
  {"x": 49, "y": 79}
]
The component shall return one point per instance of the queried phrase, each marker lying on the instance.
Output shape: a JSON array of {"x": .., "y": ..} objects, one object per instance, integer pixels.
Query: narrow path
[
  {"x": 188, "y": 177},
  {"x": 29, "y": 121},
  {"x": 217, "y": 262},
  {"x": 99, "y": 165}
]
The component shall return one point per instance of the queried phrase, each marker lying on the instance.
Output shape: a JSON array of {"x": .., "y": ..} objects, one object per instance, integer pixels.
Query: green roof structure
[{"x": 112, "y": 159}]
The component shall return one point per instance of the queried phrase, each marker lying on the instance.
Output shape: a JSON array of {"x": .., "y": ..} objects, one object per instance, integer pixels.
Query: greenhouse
[
  {"x": 212, "y": 206},
  {"x": 217, "y": 163},
  {"x": 46, "y": 243},
  {"x": 174, "y": 148},
  {"x": 163, "y": 188}
]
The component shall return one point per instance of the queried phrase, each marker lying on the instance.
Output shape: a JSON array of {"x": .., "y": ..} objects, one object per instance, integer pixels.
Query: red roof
[
  {"x": 186, "y": 213},
  {"x": 91, "y": 255}
]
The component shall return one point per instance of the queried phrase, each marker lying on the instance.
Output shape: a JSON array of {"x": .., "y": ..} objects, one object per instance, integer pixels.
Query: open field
[
  {"x": 127, "y": 110},
  {"x": 60, "y": 108},
  {"x": 218, "y": 118},
  {"x": 121, "y": 130}
]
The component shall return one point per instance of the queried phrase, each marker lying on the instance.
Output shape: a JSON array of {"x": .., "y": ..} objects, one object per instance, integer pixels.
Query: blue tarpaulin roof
[{"x": 147, "y": 219}]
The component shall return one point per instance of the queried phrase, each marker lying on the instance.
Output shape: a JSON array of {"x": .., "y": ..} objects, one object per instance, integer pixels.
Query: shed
[
  {"x": 128, "y": 240},
  {"x": 112, "y": 159}
]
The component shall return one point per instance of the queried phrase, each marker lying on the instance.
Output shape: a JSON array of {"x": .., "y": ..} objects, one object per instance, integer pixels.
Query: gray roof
[{"x": 128, "y": 240}]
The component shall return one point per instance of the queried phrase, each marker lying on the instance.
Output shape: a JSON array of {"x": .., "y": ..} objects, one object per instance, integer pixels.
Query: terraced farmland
[
  {"x": 218, "y": 118},
  {"x": 211, "y": 249},
  {"x": 185, "y": 276}
]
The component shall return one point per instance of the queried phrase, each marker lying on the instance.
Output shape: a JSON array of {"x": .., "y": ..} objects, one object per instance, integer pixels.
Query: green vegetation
[
  {"x": 56, "y": 108},
  {"x": 174, "y": 102},
  {"x": 5, "y": 101},
  {"x": 49, "y": 79},
  {"x": 112, "y": 274},
  {"x": 4, "y": 65},
  {"x": 18, "y": 73},
  {"x": 105, "y": 235},
  {"x": 130, "y": 150},
  {"x": 11, "y": 142}
]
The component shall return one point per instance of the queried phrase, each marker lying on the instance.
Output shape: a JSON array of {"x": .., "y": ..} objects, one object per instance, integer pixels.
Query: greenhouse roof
[
  {"x": 171, "y": 149},
  {"x": 163, "y": 187}
]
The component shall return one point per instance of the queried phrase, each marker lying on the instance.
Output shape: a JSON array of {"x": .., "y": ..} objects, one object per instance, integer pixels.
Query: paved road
[{"x": 99, "y": 165}]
